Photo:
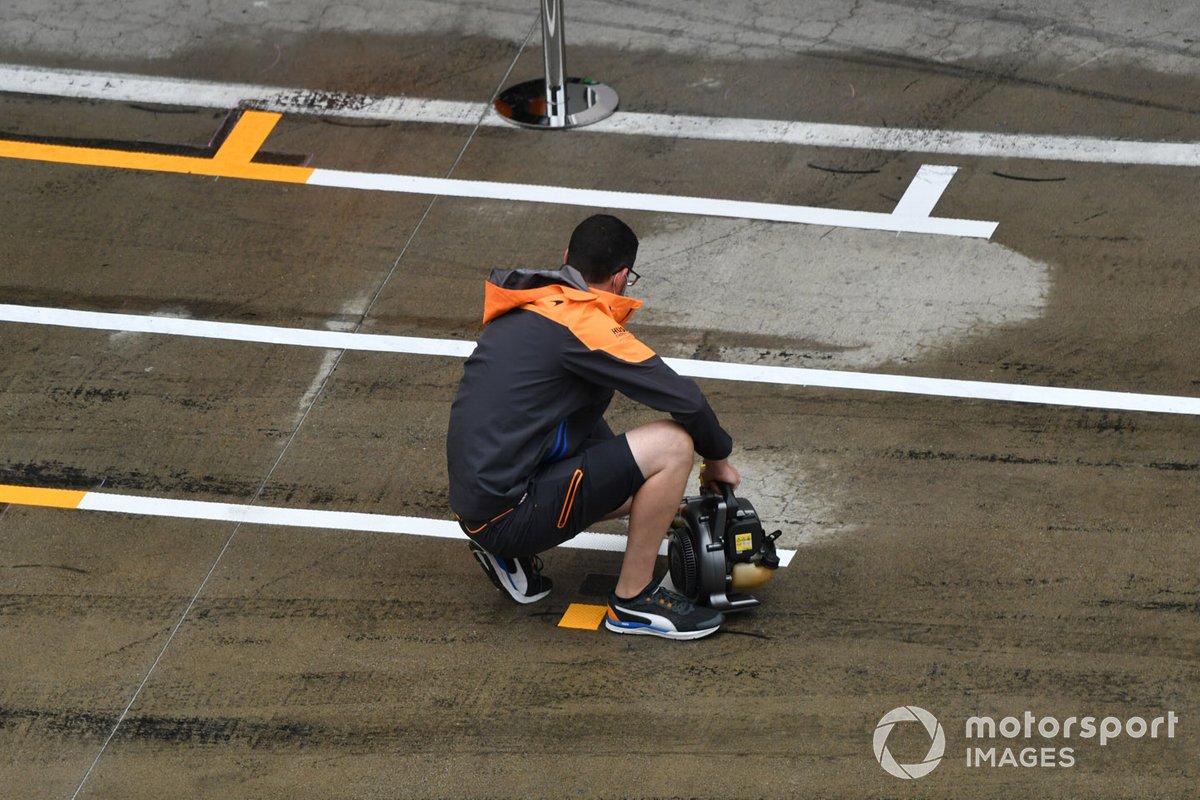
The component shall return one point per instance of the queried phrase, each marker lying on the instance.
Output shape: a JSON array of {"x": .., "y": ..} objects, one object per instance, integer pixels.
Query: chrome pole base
[{"x": 525, "y": 104}]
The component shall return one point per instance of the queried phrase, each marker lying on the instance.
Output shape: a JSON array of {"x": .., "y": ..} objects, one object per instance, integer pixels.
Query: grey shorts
[{"x": 561, "y": 500}]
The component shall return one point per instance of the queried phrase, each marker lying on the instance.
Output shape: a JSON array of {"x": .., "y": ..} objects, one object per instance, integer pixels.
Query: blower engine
[{"x": 717, "y": 551}]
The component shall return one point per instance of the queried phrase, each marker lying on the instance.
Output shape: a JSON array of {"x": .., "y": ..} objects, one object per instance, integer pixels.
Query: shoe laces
[
  {"x": 672, "y": 601},
  {"x": 530, "y": 564}
]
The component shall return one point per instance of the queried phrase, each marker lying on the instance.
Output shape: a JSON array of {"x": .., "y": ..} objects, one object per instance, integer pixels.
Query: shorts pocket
[{"x": 569, "y": 500}]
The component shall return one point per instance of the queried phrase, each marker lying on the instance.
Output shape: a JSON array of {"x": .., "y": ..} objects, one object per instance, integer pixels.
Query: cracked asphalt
[{"x": 971, "y": 558}]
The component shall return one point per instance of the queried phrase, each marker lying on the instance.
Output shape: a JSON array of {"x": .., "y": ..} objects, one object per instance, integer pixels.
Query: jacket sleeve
[{"x": 652, "y": 383}]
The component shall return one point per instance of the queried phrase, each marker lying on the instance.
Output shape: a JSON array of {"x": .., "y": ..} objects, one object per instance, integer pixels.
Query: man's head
[{"x": 603, "y": 248}]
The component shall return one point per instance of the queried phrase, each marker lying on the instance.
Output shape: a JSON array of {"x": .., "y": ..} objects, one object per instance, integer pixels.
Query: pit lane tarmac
[{"x": 968, "y": 556}]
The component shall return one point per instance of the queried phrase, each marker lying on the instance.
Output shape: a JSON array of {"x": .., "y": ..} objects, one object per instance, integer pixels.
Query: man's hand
[{"x": 714, "y": 472}]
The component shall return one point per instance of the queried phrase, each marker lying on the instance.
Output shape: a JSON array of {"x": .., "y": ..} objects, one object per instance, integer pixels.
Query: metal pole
[
  {"x": 554, "y": 55},
  {"x": 555, "y": 101}
]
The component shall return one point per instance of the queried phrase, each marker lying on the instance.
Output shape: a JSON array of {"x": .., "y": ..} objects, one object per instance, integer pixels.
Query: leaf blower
[{"x": 718, "y": 552}]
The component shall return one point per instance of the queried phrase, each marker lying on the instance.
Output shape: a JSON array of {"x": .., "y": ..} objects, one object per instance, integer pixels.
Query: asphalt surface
[{"x": 971, "y": 558}]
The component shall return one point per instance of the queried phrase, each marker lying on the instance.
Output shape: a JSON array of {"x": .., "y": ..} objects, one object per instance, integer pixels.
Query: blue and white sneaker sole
[
  {"x": 502, "y": 578},
  {"x": 642, "y": 629}
]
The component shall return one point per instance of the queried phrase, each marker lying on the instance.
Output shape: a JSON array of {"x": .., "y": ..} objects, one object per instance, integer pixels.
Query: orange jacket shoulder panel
[
  {"x": 595, "y": 317},
  {"x": 594, "y": 321},
  {"x": 595, "y": 329}
]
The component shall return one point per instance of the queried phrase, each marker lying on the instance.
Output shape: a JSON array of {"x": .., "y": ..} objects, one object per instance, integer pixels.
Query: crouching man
[{"x": 532, "y": 461}]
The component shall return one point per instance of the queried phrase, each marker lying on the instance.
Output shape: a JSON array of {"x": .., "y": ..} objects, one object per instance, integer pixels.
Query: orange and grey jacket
[{"x": 539, "y": 382}]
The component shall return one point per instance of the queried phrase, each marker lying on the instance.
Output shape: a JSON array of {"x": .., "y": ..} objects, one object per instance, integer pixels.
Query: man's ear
[{"x": 616, "y": 281}]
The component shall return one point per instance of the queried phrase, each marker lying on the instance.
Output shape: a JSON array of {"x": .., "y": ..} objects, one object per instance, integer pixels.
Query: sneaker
[
  {"x": 520, "y": 578},
  {"x": 661, "y": 613}
]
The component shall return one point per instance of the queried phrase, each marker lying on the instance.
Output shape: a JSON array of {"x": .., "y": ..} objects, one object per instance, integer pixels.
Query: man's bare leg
[{"x": 663, "y": 452}]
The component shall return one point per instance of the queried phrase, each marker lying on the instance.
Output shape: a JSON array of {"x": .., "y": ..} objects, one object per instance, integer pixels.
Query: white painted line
[
  {"x": 925, "y": 190},
  {"x": 266, "y": 515},
  {"x": 716, "y": 370},
  {"x": 1082, "y": 149},
  {"x": 938, "y": 387},
  {"x": 911, "y": 221},
  {"x": 233, "y": 331},
  {"x": 123, "y": 87},
  {"x": 127, "y": 88},
  {"x": 704, "y": 206},
  {"x": 327, "y": 520}
]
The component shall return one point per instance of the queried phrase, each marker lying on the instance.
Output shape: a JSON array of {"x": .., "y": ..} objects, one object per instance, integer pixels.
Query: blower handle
[
  {"x": 727, "y": 495},
  {"x": 724, "y": 492},
  {"x": 726, "y": 507}
]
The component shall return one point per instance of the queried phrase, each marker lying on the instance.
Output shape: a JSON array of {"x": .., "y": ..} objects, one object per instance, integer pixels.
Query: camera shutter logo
[{"x": 937, "y": 742}]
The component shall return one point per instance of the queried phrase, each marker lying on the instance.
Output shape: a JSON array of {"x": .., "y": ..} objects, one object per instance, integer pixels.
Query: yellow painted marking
[
  {"x": 247, "y": 137},
  {"x": 582, "y": 616},
  {"x": 231, "y": 161},
  {"x": 49, "y": 498}
]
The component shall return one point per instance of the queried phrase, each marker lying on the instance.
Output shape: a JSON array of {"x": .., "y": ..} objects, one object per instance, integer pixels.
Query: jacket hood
[{"x": 509, "y": 289}]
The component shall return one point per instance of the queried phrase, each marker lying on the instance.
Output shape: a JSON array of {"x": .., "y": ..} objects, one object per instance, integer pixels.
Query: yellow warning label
[{"x": 743, "y": 542}]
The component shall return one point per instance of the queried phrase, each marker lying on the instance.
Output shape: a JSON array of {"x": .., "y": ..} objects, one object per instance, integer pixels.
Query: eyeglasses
[{"x": 632, "y": 278}]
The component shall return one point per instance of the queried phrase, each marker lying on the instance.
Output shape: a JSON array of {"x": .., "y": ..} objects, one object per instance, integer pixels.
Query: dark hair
[{"x": 600, "y": 246}]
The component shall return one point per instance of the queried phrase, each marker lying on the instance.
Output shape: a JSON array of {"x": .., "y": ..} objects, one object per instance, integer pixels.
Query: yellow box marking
[
  {"x": 582, "y": 616},
  {"x": 743, "y": 542},
  {"x": 247, "y": 137},
  {"x": 49, "y": 498},
  {"x": 231, "y": 161}
]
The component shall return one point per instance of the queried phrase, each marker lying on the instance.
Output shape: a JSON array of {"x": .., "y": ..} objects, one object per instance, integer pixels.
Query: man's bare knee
[{"x": 661, "y": 445}]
